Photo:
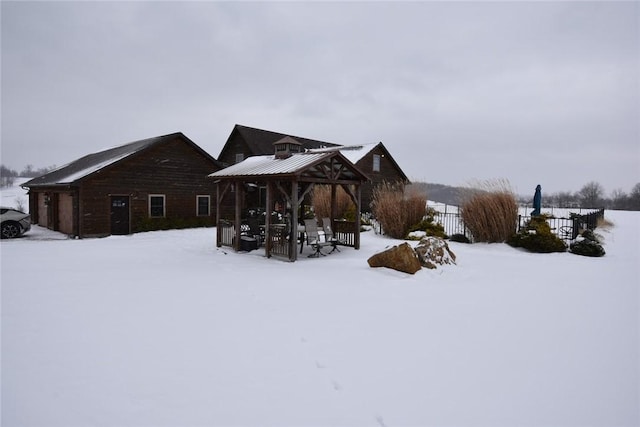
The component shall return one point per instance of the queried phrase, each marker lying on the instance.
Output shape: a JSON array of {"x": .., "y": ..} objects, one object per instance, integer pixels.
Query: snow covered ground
[{"x": 165, "y": 329}]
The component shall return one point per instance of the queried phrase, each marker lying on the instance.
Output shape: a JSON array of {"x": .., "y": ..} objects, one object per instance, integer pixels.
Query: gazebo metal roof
[{"x": 330, "y": 166}]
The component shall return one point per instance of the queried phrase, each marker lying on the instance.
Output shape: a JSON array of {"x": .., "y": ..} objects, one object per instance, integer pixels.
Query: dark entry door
[{"x": 120, "y": 215}]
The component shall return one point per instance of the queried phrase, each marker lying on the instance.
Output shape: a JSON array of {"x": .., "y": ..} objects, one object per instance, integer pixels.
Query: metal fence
[
  {"x": 565, "y": 228},
  {"x": 452, "y": 224},
  {"x": 569, "y": 228}
]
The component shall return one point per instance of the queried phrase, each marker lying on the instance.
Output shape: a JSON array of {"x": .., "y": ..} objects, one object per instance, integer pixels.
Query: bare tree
[
  {"x": 591, "y": 195},
  {"x": 564, "y": 199},
  {"x": 634, "y": 198},
  {"x": 7, "y": 176},
  {"x": 28, "y": 172},
  {"x": 619, "y": 199}
]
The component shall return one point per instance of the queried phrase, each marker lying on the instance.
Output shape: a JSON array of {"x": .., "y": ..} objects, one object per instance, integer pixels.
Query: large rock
[
  {"x": 434, "y": 251},
  {"x": 402, "y": 258}
]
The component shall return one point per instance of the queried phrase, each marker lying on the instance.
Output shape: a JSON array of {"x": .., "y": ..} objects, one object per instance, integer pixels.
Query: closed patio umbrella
[{"x": 537, "y": 201}]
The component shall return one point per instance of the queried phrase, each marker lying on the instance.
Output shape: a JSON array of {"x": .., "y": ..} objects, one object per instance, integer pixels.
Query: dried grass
[
  {"x": 490, "y": 212},
  {"x": 397, "y": 211},
  {"x": 605, "y": 224},
  {"x": 321, "y": 202}
]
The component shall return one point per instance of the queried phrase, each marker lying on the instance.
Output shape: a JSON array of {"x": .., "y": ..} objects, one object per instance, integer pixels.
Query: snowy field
[{"x": 164, "y": 329}]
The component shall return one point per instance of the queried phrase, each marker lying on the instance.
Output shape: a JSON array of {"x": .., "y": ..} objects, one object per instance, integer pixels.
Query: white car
[{"x": 14, "y": 223}]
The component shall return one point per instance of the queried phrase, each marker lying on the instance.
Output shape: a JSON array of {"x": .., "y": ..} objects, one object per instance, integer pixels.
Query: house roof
[
  {"x": 311, "y": 165},
  {"x": 91, "y": 163},
  {"x": 261, "y": 141},
  {"x": 355, "y": 153}
]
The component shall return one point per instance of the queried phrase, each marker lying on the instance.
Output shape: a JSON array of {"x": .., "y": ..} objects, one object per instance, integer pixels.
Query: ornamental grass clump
[
  {"x": 397, "y": 211},
  {"x": 491, "y": 215},
  {"x": 321, "y": 201}
]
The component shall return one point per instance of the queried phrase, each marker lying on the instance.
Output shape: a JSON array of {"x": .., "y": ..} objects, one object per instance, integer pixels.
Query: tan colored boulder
[{"x": 401, "y": 258}]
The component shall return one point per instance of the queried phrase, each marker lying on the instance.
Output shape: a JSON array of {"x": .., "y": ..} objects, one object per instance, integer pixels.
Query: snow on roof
[
  {"x": 89, "y": 170},
  {"x": 270, "y": 165},
  {"x": 353, "y": 153},
  {"x": 91, "y": 163}
]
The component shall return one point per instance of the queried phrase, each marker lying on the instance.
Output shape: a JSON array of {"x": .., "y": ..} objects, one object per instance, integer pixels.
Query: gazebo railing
[
  {"x": 278, "y": 240},
  {"x": 226, "y": 232},
  {"x": 345, "y": 232}
]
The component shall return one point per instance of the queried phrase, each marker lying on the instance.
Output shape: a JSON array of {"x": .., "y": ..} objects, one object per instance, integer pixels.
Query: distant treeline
[
  {"x": 8, "y": 176},
  {"x": 591, "y": 195}
]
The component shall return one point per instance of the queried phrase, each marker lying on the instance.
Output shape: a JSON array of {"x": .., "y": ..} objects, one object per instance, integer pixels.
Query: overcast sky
[{"x": 532, "y": 92}]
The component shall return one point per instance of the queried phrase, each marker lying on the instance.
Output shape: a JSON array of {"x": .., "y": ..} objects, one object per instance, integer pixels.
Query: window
[
  {"x": 376, "y": 162},
  {"x": 203, "y": 205},
  {"x": 156, "y": 205},
  {"x": 239, "y": 157}
]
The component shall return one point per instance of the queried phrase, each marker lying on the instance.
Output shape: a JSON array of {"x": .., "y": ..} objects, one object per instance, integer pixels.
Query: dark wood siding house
[
  {"x": 246, "y": 142},
  {"x": 378, "y": 164},
  {"x": 374, "y": 160},
  {"x": 156, "y": 183}
]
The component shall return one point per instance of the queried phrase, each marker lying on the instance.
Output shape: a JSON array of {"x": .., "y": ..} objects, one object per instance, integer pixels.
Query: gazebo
[{"x": 290, "y": 175}]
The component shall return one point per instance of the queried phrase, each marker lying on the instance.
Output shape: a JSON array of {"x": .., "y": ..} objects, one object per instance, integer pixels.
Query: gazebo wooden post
[
  {"x": 238, "y": 218},
  {"x": 293, "y": 233},
  {"x": 356, "y": 240},
  {"x": 218, "y": 230},
  {"x": 267, "y": 220}
]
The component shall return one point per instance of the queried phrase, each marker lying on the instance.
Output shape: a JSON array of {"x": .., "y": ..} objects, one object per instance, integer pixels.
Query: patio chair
[
  {"x": 256, "y": 230},
  {"x": 329, "y": 237},
  {"x": 313, "y": 237},
  {"x": 252, "y": 236}
]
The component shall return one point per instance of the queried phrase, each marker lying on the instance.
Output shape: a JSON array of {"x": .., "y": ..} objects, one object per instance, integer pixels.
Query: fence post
[{"x": 576, "y": 228}]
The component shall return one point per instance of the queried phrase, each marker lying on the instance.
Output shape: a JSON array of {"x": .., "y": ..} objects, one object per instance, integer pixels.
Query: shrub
[
  {"x": 153, "y": 224},
  {"x": 587, "y": 248},
  {"x": 536, "y": 236},
  {"x": 460, "y": 238},
  {"x": 587, "y": 244},
  {"x": 321, "y": 201},
  {"x": 429, "y": 227},
  {"x": 490, "y": 215},
  {"x": 397, "y": 211}
]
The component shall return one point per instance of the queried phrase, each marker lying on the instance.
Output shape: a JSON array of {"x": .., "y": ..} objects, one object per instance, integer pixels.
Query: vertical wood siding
[
  {"x": 42, "y": 209},
  {"x": 172, "y": 168},
  {"x": 388, "y": 172},
  {"x": 235, "y": 145},
  {"x": 65, "y": 213}
]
